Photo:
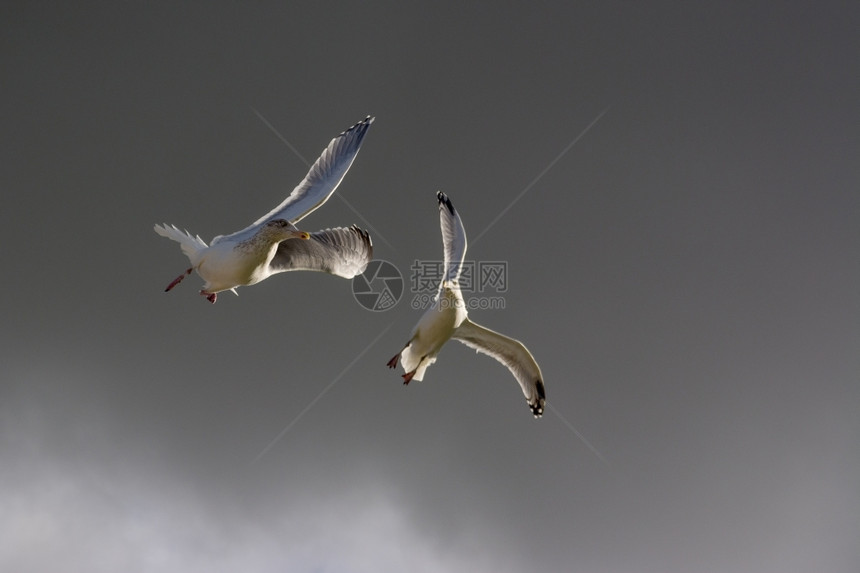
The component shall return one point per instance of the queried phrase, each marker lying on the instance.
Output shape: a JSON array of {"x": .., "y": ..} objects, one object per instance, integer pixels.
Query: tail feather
[
  {"x": 190, "y": 244},
  {"x": 422, "y": 366},
  {"x": 413, "y": 361}
]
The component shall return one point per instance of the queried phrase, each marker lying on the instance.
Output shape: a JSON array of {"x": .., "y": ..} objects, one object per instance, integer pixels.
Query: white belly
[
  {"x": 225, "y": 268},
  {"x": 433, "y": 330}
]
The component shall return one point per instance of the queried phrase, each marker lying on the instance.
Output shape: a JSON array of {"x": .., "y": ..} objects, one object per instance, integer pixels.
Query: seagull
[
  {"x": 273, "y": 244},
  {"x": 447, "y": 318}
]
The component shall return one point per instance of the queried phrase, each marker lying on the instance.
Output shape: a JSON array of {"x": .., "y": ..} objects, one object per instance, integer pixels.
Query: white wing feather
[
  {"x": 318, "y": 185},
  {"x": 453, "y": 237},
  {"x": 344, "y": 252},
  {"x": 513, "y": 354}
]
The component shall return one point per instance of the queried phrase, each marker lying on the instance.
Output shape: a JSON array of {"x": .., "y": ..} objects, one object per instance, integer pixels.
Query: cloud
[
  {"x": 104, "y": 509},
  {"x": 64, "y": 519}
]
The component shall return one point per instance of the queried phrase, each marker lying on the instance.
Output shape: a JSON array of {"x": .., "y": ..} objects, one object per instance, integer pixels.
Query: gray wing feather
[
  {"x": 344, "y": 252},
  {"x": 453, "y": 237},
  {"x": 318, "y": 185},
  {"x": 513, "y": 354}
]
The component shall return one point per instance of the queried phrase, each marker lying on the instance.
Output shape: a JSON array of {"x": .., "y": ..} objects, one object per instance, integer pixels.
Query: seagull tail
[
  {"x": 412, "y": 362},
  {"x": 190, "y": 245}
]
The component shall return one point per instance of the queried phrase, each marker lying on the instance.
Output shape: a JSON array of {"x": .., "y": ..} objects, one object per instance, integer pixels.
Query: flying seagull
[
  {"x": 447, "y": 318},
  {"x": 273, "y": 244}
]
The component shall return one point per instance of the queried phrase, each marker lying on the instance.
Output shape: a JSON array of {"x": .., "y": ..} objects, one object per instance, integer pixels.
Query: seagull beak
[{"x": 303, "y": 235}]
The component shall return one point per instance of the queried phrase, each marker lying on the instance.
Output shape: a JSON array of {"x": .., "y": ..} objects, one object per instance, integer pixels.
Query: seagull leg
[
  {"x": 393, "y": 362},
  {"x": 210, "y": 296},
  {"x": 407, "y": 378},
  {"x": 178, "y": 279}
]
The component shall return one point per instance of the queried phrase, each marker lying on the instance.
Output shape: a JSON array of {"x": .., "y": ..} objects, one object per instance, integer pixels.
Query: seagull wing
[
  {"x": 341, "y": 251},
  {"x": 513, "y": 354},
  {"x": 453, "y": 237},
  {"x": 318, "y": 185}
]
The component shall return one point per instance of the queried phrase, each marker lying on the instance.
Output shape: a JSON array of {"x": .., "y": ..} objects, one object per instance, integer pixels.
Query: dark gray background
[{"x": 686, "y": 275}]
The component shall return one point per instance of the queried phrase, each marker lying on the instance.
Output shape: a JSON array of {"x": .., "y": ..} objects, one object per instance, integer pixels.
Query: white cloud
[{"x": 105, "y": 513}]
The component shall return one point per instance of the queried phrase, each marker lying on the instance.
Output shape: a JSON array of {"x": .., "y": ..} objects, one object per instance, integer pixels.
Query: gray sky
[{"x": 686, "y": 275}]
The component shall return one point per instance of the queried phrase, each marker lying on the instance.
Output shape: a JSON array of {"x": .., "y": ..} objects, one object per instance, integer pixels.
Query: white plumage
[
  {"x": 273, "y": 244},
  {"x": 447, "y": 318}
]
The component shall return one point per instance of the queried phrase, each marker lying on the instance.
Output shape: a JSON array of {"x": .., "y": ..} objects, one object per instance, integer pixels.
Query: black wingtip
[
  {"x": 363, "y": 124},
  {"x": 537, "y": 408},
  {"x": 443, "y": 200},
  {"x": 365, "y": 235}
]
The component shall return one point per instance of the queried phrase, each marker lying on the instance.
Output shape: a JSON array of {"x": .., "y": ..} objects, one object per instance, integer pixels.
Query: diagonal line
[
  {"x": 319, "y": 396},
  {"x": 577, "y": 433},
  {"x": 281, "y": 137},
  {"x": 366, "y": 222},
  {"x": 540, "y": 175},
  {"x": 308, "y": 164}
]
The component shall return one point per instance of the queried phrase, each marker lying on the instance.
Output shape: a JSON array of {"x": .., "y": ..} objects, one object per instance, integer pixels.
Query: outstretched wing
[
  {"x": 318, "y": 185},
  {"x": 341, "y": 251},
  {"x": 513, "y": 354},
  {"x": 453, "y": 237}
]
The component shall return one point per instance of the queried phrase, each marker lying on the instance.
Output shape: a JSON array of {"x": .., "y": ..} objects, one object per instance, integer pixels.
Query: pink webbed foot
[
  {"x": 178, "y": 279},
  {"x": 393, "y": 362},
  {"x": 407, "y": 378},
  {"x": 210, "y": 296}
]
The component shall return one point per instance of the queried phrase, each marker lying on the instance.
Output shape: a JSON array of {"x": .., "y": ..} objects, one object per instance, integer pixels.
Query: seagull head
[{"x": 281, "y": 229}]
